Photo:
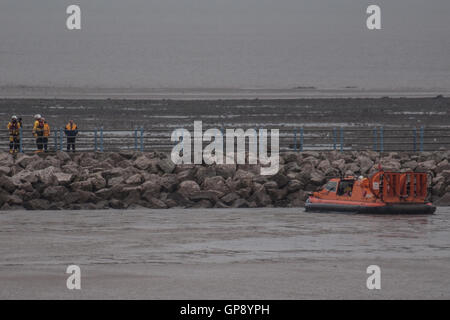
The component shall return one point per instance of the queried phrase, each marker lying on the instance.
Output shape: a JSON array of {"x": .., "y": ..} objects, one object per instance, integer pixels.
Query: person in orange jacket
[
  {"x": 14, "y": 134},
  {"x": 41, "y": 131}
]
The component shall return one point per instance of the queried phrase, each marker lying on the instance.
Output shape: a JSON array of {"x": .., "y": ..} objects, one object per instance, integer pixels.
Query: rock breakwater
[{"x": 134, "y": 179}]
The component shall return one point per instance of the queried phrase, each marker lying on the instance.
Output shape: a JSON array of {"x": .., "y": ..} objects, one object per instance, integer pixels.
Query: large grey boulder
[
  {"x": 82, "y": 185},
  {"x": 180, "y": 199},
  {"x": 188, "y": 188},
  {"x": 261, "y": 198},
  {"x": 390, "y": 165},
  {"x": 156, "y": 203},
  {"x": 37, "y": 204},
  {"x": 225, "y": 170},
  {"x": 365, "y": 164},
  {"x": 280, "y": 179},
  {"x": 324, "y": 165},
  {"x": 442, "y": 166},
  {"x": 294, "y": 185},
  {"x": 339, "y": 164},
  {"x": 187, "y": 174},
  {"x": 240, "y": 203},
  {"x": 317, "y": 178},
  {"x": 134, "y": 179},
  {"x": 277, "y": 194},
  {"x": 64, "y": 179},
  {"x": 5, "y": 170},
  {"x": 14, "y": 200},
  {"x": 211, "y": 196},
  {"x": 133, "y": 194},
  {"x": 169, "y": 182},
  {"x": 24, "y": 160},
  {"x": 292, "y": 167},
  {"x": 151, "y": 186},
  {"x": 204, "y": 172},
  {"x": 216, "y": 183},
  {"x": 166, "y": 165},
  {"x": 444, "y": 201},
  {"x": 104, "y": 193},
  {"x": 426, "y": 166},
  {"x": 230, "y": 198},
  {"x": 26, "y": 186},
  {"x": 47, "y": 176},
  {"x": 54, "y": 193},
  {"x": 97, "y": 181},
  {"x": 242, "y": 174},
  {"x": 7, "y": 183},
  {"x": 411, "y": 164},
  {"x": 446, "y": 175},
  {"x": 63, "y": 156},
  {"x": 6, "y": 159},
  {"x": 143, "y": 163}
]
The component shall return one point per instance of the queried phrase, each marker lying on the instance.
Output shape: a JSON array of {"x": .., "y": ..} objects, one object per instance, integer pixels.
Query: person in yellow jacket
[
  {"x": 14, "y": 134},
  {"x": 71, "y": 132},
  {"x": 36, "y": 119},
  {"x": 41, "y": 131}
]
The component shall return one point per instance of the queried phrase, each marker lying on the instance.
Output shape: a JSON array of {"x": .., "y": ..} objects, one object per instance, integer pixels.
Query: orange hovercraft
[{"x": 384, "y": 192}]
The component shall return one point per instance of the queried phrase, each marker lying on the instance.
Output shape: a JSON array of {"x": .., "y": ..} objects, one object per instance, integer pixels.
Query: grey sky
[{"x": 225, "y": 43}]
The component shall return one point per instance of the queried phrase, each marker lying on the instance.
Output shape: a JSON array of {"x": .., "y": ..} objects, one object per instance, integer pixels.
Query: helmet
[
  {"x": 37, "y": 116},
  {"x": 14, "y": 118}
]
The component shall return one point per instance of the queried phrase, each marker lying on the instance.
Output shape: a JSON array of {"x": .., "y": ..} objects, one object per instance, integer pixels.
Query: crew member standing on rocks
[
  {"x": 71, "y": 133},
  {"x": 41, "y": 131},
  {"x": 14, "y": 134}
]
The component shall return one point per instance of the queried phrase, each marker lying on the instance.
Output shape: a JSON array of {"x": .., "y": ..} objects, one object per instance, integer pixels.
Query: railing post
[
  {"x": 381, "y": 139},
  {"x": 135, "y": 139},
  {"x": 55, "y": 139},
  {"x": 342, "y": 139},
  {"x": 295, "y": 140},
  {"x": 415, "y": 139},
  {"x": 375, "y": 139},
  {"x": 101, "y": 139},
  {"x": 142, "y": 139},
  {"x": 334, "y": 138},
  {"x": 60, "y": 139},
  {"x": 422, "y": 133},
  {"x": 20, "y": 142},
  {"x": 95, "y": 139},
  {"x": 301, "y": 139}
]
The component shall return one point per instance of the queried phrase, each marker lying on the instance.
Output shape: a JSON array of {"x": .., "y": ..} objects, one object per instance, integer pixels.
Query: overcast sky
[{"x": 225, "y": 43}]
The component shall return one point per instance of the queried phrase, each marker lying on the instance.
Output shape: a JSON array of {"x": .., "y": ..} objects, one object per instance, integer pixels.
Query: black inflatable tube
[{"x": 387, "y": 209}]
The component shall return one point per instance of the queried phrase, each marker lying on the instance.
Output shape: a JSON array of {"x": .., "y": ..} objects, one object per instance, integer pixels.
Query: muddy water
[{"x": 229, "y": 253}]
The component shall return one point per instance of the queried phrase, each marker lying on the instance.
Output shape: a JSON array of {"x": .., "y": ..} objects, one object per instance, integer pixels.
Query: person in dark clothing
[{"x": 71, "y": 132}]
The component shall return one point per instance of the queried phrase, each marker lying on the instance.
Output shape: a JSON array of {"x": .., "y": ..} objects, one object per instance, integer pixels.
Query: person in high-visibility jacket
[
  {"x": 71, "y": 132},
  {"x": 14, "y": 134},
  {"x": 36, "y": 119},
  {"x": 41, "y": 131}
]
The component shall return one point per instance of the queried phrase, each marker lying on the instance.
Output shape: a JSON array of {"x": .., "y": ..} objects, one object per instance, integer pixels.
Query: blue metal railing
[{"x": 296, "y": 139}]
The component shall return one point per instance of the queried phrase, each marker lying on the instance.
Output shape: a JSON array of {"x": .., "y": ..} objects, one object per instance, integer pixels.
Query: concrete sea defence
[{"x": 134, "y": 180}]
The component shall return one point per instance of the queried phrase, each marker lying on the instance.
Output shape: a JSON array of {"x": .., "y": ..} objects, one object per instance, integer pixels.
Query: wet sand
[
  {"x": 237, "y": 113},
  {"x": 267, "y": 253}
]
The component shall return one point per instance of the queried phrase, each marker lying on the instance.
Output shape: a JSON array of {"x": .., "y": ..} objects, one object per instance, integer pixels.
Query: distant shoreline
[{"x": 211, "y": 94}]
